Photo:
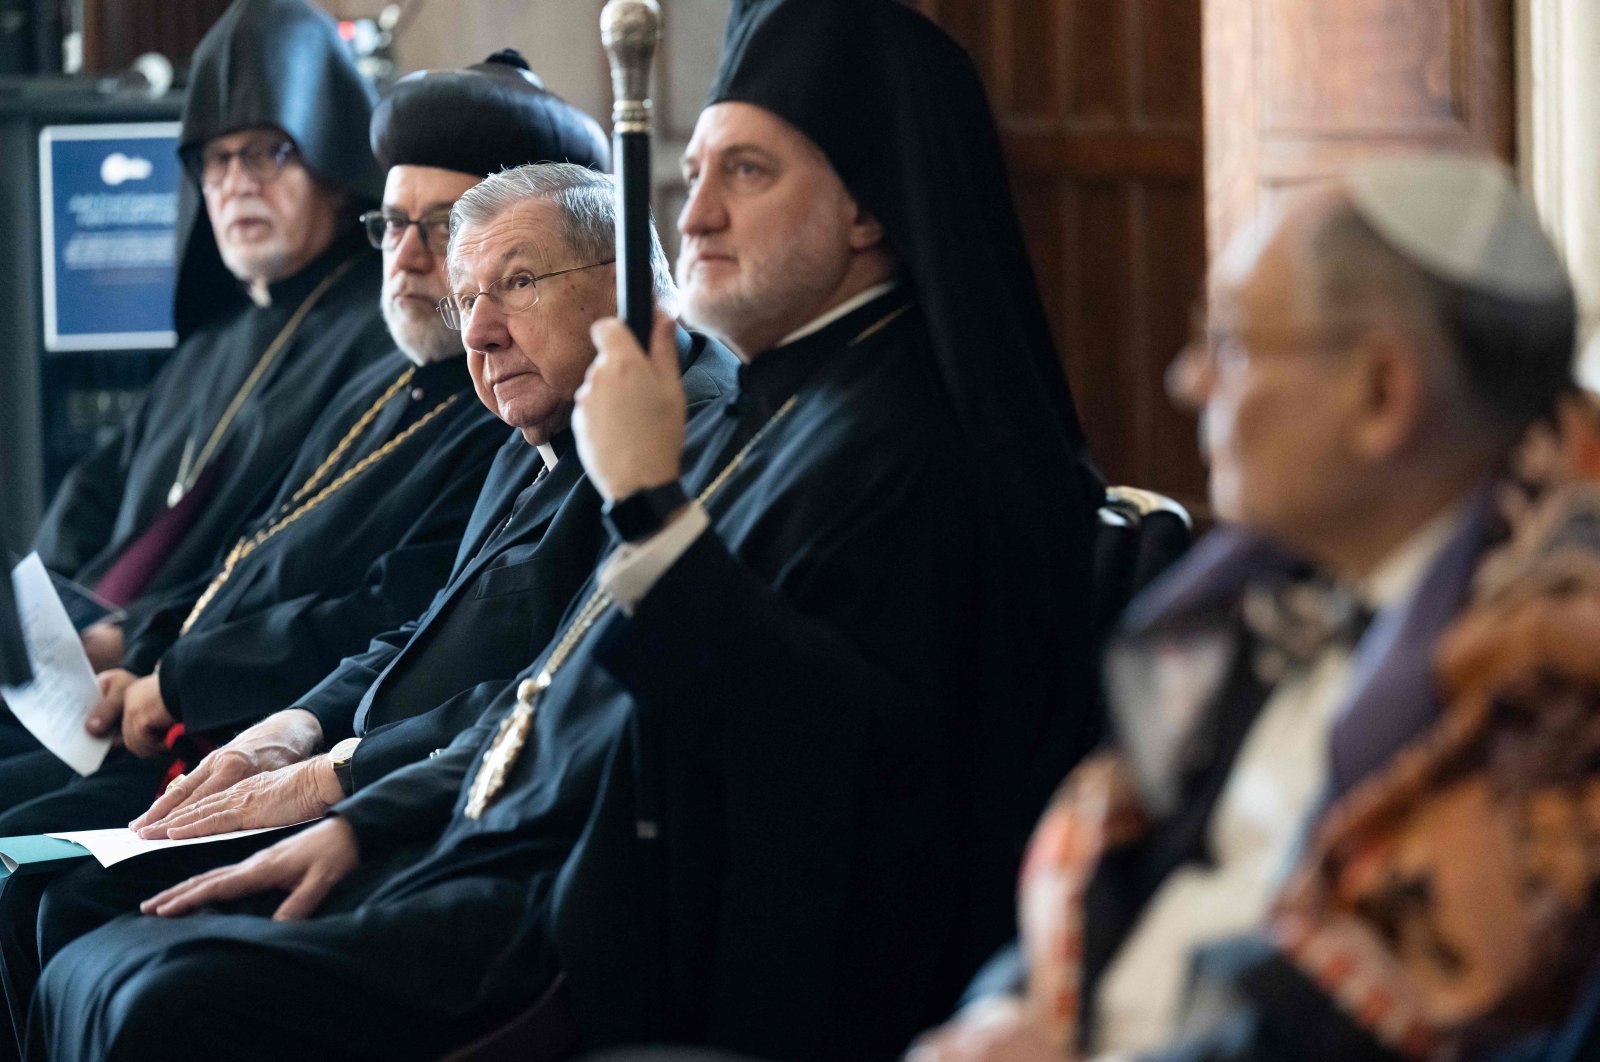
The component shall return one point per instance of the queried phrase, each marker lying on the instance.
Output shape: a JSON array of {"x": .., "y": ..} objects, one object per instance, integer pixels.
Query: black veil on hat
[
  {"x": 278, "y": 63},
  {"x": 897, "y": 107},
  {"x": 488, "y": 117}
]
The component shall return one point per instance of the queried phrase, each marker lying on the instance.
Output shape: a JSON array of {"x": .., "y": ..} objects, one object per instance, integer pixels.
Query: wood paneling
[
  {"x": 115, "y": 32},
  {"x": 1298, "y": 90},
  {"x": 1098, "y": 103}
]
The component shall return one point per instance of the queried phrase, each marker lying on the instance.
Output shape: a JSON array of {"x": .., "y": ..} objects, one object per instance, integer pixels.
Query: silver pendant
[{"x": 175, "y": 493}]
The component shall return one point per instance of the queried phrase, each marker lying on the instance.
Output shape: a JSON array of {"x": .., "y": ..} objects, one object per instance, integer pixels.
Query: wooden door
[
  {"x": 1297, "y": 90},
  {"x": 1098, "y": 103}
]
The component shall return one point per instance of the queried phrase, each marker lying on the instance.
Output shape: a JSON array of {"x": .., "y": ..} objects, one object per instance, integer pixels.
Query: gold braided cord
[
  {"x": 189, "y": 472},
  {"x": 246, "y": 546},
  {"x": 502, "y": 754},
  {"x": 350, "y": 437}
]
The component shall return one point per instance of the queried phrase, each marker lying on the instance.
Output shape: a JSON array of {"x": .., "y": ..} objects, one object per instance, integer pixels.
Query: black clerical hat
[
  {"x": 483, "y": 119},
  {"x": 898, "y": 109},
  {"x": 270, "y": 63}
]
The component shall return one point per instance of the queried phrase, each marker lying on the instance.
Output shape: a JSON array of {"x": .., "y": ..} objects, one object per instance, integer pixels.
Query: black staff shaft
[{"x": 635, "y": 284}]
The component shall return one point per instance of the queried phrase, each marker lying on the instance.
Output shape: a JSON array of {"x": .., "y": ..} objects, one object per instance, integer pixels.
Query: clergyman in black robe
[
  {"x": 766, "y": 794},
  {"x": 533, "y": 537},
  {"x": 266, "y": 339},
  {"x": 163, "y": 485},
  {"x": 365, "y": 526}
]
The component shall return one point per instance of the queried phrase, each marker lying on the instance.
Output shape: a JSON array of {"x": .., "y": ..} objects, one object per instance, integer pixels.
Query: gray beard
[{"x": 426, "y": 342}]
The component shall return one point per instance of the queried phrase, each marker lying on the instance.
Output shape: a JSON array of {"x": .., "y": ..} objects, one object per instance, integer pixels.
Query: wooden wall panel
[
  {"x": 115, "y": 32},
  {"x": 1298, "y": 90},
  {"x": 1098, "y": 103}
]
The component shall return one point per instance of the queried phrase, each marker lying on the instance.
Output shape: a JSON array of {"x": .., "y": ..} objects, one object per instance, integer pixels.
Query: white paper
[
  {"x": 113, "y": 846},
  {"x": 63, "y": 691}
]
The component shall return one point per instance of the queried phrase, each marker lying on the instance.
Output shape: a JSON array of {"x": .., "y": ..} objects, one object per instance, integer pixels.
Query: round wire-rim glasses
[{"x": 512, "y": 294}]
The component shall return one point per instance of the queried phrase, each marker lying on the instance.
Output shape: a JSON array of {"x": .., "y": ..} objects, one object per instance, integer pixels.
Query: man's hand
[
  {"x": 990, "y": 1030},
  {"x": 279, "y": 740},
  {"x": 306, "y": 865},
  {"x": 145, "y": 719},
  {"x": 283, "y": 797},
  {"x": 630, "y": 410},
  {"x": 106, "y": 716},
  {"x": 102, "y": 642}
]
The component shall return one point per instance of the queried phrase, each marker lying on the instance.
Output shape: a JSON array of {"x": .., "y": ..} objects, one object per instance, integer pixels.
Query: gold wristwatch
[{"x": 341, "y": 756}]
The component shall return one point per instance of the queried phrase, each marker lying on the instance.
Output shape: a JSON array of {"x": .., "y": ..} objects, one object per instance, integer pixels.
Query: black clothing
[
  {"x": 735, "y": 823},
  {"x": 14, "y": 667},
  {"x": 483, "y": 119},
  {"x": 531, "y": 543},
  {"x": 275, "y": 63},
  {"x": 528, "y": 548},
  {"x": 884, "y": 93},
  {"x": 113, "y": 496},
  {"x": 362, "y": 561}
]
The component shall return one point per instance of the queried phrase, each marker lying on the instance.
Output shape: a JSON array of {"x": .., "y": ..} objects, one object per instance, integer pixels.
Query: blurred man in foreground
[{"x": 1275, "y": 864}]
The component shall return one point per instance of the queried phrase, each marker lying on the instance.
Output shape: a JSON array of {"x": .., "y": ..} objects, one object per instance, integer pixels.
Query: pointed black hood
[
  {"x": 492, "y": 116},
  {"x": 273, "y": 63},
  {"x": 898, "y": 109}
]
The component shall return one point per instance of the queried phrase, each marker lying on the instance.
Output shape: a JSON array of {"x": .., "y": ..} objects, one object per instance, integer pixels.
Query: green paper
[{"x": 36, "y": 853}]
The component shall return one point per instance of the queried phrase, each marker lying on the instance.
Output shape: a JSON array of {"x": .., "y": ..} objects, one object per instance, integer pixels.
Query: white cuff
[{"x": 630, "y": 572}]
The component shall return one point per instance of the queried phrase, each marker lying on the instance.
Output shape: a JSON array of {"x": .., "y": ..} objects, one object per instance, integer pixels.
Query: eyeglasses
[
  {"x": 512, "y": 294},
  {"x": 263, "y": 160},
  {"x": 386, "y": 228}
]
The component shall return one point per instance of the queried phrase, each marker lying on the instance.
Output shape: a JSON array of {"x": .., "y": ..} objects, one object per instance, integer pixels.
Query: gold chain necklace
[
  {"x": 249, "y": 544},
  {"x": 503, "y": 752},
  {"x": 190, "y": 467}
]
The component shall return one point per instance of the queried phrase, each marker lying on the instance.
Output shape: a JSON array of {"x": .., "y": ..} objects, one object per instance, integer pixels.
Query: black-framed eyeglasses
[
  {"x": 263, "y": 160},
  {"x": 512, "y": 294},
  {"x": 386, "y": 228}
]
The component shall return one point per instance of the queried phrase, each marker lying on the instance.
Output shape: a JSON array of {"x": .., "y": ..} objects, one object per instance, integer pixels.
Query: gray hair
[
  {"x": 1514, "y": 356},
  {"x": 587, "y": 201}
]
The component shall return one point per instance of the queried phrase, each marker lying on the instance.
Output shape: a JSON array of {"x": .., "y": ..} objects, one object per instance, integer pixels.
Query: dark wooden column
[
  {"x": 115, "y": 32},
  {"x": 1099, "y": 106}
]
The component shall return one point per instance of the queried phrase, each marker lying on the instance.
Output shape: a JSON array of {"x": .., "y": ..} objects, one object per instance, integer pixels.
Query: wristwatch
[
  {"x": 341, "y": 756},
  {"x": 644, "y": 512}
]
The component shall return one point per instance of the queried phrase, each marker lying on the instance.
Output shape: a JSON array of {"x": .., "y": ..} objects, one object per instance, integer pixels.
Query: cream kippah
[{"x": 1462, "y": 220}]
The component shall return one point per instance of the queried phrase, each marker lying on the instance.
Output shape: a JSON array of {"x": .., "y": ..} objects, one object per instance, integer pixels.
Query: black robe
[
  {"x": 112, "y": 496},
  {"x": 531, "y": 542},
  {"x": 368, "y": 557},
  {"x": 746, "y": 815},
  {"x": 530, "y": 545}
]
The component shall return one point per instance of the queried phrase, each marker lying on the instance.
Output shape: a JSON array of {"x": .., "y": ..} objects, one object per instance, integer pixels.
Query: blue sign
[{"x": 109, "y": 216}]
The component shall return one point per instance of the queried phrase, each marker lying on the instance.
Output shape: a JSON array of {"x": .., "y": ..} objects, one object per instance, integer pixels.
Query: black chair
[{"x": 1141, "y": 533}]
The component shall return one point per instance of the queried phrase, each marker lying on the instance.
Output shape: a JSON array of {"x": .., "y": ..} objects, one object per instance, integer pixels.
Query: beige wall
[
  {"x": 561, "y": 40},
  {"x": 1558, "y": 84}
]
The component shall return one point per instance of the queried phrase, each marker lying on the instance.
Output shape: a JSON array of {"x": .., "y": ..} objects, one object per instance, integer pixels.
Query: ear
[
  {"x": 866, "y": 232},
  {"x": 1390, "y": 388}
]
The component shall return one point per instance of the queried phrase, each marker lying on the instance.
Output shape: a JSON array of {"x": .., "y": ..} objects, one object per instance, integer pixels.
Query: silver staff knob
[{"x": 629, "y": 29}]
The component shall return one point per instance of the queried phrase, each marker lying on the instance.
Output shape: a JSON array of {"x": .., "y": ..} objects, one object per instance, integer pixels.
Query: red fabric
[
  {"x": 127, "y": 578},
  {"x": 187, "y": 749}
]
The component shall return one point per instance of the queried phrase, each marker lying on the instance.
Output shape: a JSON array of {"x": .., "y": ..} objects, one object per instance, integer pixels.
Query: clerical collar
[
  {"x": 291, "y": 290},
  {"x": 772, "y": 377},
  {"x": 1399, "y": 574},
  {"x": 823, "y": 320},
  {"x": 560, "y": 445}
]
